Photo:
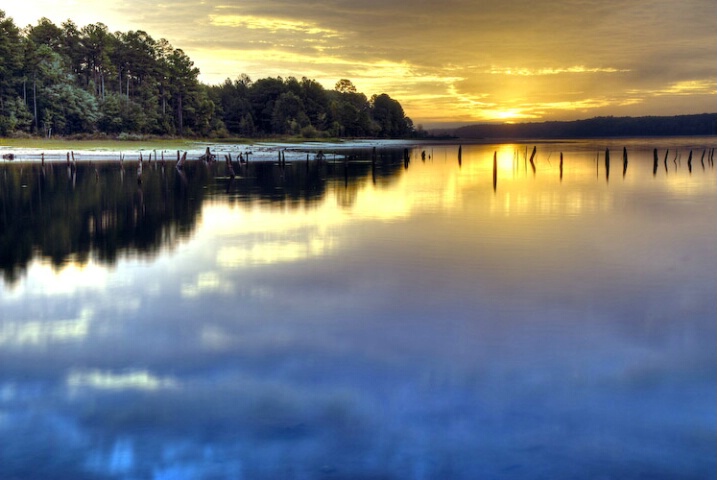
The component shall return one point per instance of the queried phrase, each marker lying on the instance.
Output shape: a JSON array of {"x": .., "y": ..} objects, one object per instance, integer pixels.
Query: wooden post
[
  {"x": 532, "y": 156},
  {"x": 139, "y": 169},
  {"x": 495, "y": 171},
  {"x": 624, "y": 161},
  {"x": 689, "y": 162},
  {"x": 607, "y": 164},
  {"x": 230, "y": 169},
  {"x": 561, "y": 166},
  {"x": 654, "y": 162}
]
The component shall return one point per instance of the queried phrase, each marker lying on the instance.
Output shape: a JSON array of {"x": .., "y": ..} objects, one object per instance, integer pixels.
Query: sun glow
[{"x": 509, "y": 114}]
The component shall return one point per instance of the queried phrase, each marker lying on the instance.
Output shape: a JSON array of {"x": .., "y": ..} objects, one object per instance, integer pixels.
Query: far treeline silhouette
[
  {"x": 68, "y": 80},
  {"x": 702, "y": 124}
]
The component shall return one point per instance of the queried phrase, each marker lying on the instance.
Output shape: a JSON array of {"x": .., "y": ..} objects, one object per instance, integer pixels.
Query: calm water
[{"x": 433, "y": 319}]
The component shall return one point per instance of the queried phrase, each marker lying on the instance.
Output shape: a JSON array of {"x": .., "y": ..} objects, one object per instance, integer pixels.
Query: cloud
[
  {"x": 271, "y": 25},
  {"x": 134, "y": 380},
  {"x": 442, "y": 54},
  {"x": 44, "y": 333}
]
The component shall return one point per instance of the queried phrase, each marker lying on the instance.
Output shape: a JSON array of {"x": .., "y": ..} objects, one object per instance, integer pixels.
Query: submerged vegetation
[{"x": 69, "y": 81}]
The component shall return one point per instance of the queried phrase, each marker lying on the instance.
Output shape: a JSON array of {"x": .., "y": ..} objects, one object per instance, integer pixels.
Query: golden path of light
[{"x": 260, "y": 234}]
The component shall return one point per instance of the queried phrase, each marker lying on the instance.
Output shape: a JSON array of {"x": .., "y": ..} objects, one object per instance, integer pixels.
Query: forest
[{"x": 76, "y": 81}]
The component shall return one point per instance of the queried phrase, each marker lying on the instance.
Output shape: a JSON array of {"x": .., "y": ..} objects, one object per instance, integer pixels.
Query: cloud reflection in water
[{"x": 542, "y": 329}]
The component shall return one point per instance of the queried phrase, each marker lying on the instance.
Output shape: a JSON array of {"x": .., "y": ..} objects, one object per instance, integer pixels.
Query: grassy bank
[{"x": 94, "y": 144}]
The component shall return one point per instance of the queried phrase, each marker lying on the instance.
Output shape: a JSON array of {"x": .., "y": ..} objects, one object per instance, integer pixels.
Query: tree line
[
  {"x": 699, "y": 124},
  {"x": 67, "y": 80}
]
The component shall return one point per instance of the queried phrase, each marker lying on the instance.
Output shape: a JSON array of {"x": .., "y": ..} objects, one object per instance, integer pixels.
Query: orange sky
[{"x": 457, "y": 61}]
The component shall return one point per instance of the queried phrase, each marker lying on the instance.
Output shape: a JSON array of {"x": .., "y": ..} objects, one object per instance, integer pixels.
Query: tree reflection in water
[{"x": 99, "y": 210}]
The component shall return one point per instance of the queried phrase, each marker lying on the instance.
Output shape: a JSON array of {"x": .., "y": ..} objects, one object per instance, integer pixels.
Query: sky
[{"x": 449, "y": 61}]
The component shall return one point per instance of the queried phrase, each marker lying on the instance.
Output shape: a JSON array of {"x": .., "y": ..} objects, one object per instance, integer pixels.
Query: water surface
[{"x": 445, "y": 316}]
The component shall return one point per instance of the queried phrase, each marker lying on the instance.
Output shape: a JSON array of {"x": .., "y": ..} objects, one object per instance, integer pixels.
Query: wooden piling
[
  {"x": 495, "y": 171},
  {"x": 532, "y": 156},
  {"x": 624, "y": 161},
  {"x": 654, "y": 162},
  {"x": 561, "y": 166},
  {"x": 230, "y": 168},
  {"x": 689, "y": 162},
  {"x": 208, "y": 156}
]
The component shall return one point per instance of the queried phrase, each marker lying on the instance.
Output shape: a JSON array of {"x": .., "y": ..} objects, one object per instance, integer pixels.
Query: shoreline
[
  {"x": 14, "y": 150},
  {"x": 267, "y": 150}
]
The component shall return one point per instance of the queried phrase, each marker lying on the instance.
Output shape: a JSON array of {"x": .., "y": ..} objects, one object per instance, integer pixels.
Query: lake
[{"x": 439, "y": 312}]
